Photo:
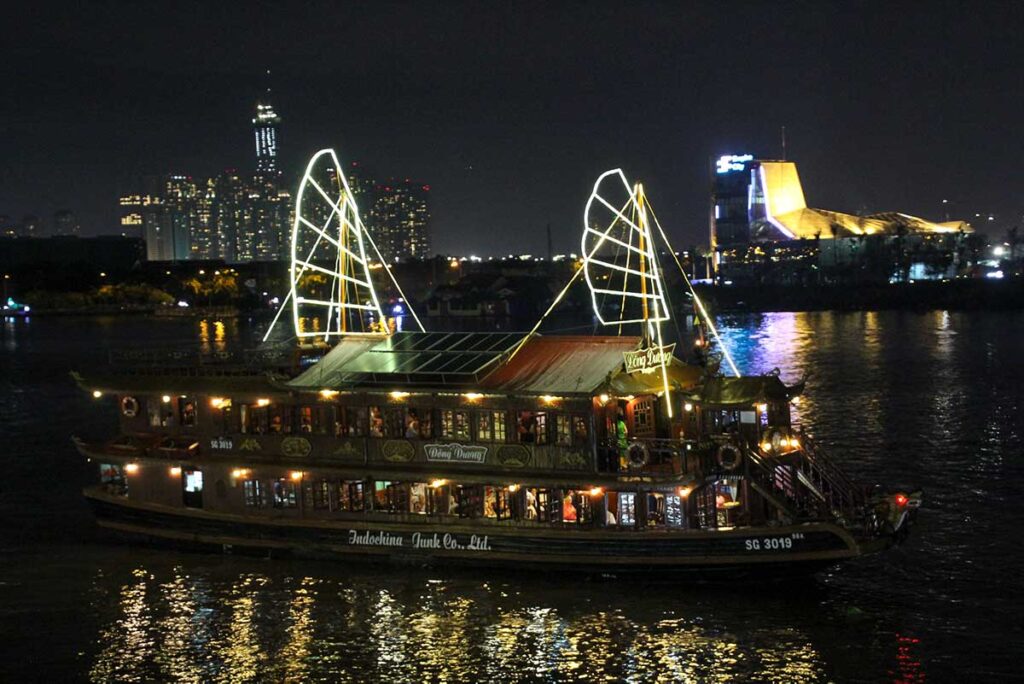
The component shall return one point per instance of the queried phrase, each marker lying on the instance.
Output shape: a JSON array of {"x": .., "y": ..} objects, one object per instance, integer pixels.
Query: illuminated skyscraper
[
  {"x": 400, "y": 220},
  {"x": 265, "y": 126}
]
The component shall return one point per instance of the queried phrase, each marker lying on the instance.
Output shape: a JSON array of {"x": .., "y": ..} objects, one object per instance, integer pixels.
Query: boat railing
[
  {"x": 649, "y": 456},
  {"x": 202, "y": 360},
  {"x": 806, "y": 471}
]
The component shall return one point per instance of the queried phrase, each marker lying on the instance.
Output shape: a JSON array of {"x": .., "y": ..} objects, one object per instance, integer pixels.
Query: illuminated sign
[
  {"x": 455, "y": 453},
  {"x": 648, "y": 360},
  {"x": 732, "y": 162}
]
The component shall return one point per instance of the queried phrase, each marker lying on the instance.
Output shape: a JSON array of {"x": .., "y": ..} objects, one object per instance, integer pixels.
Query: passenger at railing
[
  {"x": 622, "y": 441},
  {"x": 275, "y": 424},
  {"x": 412, "y": 430},
  {"x": 580, "y": 430},
  {"x": 527, "y": 428},
  {"x": 376, "y": 422},
  {"x": 307, "y": 425},
  {"x": 568, "y": 509},
  {"x": 531, "y": 505},
  {"x": 609, "y": 517}
]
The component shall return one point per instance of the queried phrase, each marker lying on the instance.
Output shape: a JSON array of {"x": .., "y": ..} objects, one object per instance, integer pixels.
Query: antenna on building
[
  {"x": 550, "y": 250},
  {"x": 783, "y": 143}
]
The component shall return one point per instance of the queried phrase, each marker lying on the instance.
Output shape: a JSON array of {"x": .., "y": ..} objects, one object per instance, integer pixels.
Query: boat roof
[{"x": 487, "y": 362}]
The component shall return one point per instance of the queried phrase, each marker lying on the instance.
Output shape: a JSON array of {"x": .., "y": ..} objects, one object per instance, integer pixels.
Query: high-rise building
[
  {"x": 265, "y": 126},
  {"x": 400, "y": 220},
  {"x": 232, "y": 217},
  {"x": 65, "y": 223}
]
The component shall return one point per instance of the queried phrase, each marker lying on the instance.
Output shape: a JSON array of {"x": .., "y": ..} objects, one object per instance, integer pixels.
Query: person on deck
[
  {"x": 568, "y": 509},
  {"x": 622, "y": 441}
]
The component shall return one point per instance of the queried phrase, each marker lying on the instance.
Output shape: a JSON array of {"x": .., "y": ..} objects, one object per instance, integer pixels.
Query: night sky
[{"x": 510, "y": 110}]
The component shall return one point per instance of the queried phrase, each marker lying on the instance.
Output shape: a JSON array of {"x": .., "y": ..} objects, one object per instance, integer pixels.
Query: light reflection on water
[{"x": 421, "y": 628}]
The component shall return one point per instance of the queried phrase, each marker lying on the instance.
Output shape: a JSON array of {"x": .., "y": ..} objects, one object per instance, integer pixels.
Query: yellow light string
[{"x": 700, "y": 304}]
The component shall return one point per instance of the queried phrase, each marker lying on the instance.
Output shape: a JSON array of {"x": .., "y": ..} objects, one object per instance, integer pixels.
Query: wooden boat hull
[{"x": 761, "y": 552}]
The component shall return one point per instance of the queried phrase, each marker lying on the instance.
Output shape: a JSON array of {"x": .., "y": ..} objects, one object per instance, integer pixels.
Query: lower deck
[{"x": 427, "y": 541}]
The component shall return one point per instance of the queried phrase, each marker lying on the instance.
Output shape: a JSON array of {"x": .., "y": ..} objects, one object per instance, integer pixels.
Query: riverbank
[{"x": 957, "y": 295}]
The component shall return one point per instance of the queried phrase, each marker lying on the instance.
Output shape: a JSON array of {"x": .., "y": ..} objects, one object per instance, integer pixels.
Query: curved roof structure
[{"x": 786, "y": 210}]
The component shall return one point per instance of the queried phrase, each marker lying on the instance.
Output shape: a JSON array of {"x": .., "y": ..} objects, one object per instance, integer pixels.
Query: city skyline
[{"x": 512, "y": 112}]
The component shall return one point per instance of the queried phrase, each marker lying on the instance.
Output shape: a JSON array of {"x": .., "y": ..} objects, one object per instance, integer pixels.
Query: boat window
[
  {"x": 112, "y": 479},
  {"x": 394, "y": 422},
  {"x": 350, "y": 421},
  {"x": 627, "y": 508},
  {"x": 418, "y": 423},
  {"x": 538, "y": 504},
  {"x": 727, "y": 503},
  {"x": 532, "y": 427},
  {"x": 255, "y": 419},
  {"x": 490, "y": 426},
  {"x": 317, "y": 494},
  {"x": 470, "y": 500},
  {"x": 643, "y": 417},
  {"x": 418, "y": 497},
  {"x": 192, "y": 487},
  {"x": 542, "y": 428},
  {"x": 655, "y": 508},
  {"x": 160, "y": 414},
  {"x": 350, "y": 496},
  {"x": 526, "y": 428},
  {"x": 496, "y": 503},
  {"x": 563, "y": 429},
  {"x": 392, "y": 497},
  {"x": 455, "y": 424},
  {"x": 187, "y": 411},
  {"x": 318, "y": 419},
  {"x": 376, "y": 422},
  {"x": 229, "y": 420},
  {"x": 284, "y": 493},
  {"x": 281, "y": 419},
  {"x": 576, "y": 506},
  {"x": 675, "y": 511},
  {"x": 441, "y": 500},
  {"x": 255, "y": 494},
  {"x": 579, "y": 430},
  {"x": 610, "y": 505}
]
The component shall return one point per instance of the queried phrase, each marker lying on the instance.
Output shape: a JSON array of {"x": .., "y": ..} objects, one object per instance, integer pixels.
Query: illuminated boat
[{"x": 604, "y": 454}]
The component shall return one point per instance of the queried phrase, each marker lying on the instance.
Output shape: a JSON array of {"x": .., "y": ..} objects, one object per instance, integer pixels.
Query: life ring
[
  {"x": 129, "y": 407},
  {"x": 638, "y": 454},
  {"x": 729, "y": 457}
]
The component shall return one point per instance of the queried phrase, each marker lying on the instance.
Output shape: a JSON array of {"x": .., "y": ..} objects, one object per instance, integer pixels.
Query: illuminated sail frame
[
  {"x": 351, "y": 284},
  {"x": 645, "y": 276},
  {"x": 641, "y": 276}
]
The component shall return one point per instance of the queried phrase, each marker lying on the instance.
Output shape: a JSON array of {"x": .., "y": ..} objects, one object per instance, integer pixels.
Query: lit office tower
[
  {"x": 400, "y": 220},
  {"x": 265, "y": 126},
  {"x": 232, "y": 217},
  {"x": 180, "y": 207}
]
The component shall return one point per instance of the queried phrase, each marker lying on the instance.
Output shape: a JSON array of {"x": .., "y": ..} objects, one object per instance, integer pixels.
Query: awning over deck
[
  {"x": 680, "y": 377},
  {"x": 561, "y": 364},
  {"x": 745, "y": 391},
  {"x": 330, "y": 371}
]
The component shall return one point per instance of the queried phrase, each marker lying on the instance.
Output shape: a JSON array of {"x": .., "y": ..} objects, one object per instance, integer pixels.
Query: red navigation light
[{"x": 901, "y": 499}]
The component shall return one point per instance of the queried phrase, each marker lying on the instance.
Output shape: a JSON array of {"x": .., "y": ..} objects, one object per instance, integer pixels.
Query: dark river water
[{"x": 930, "y": 399}]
